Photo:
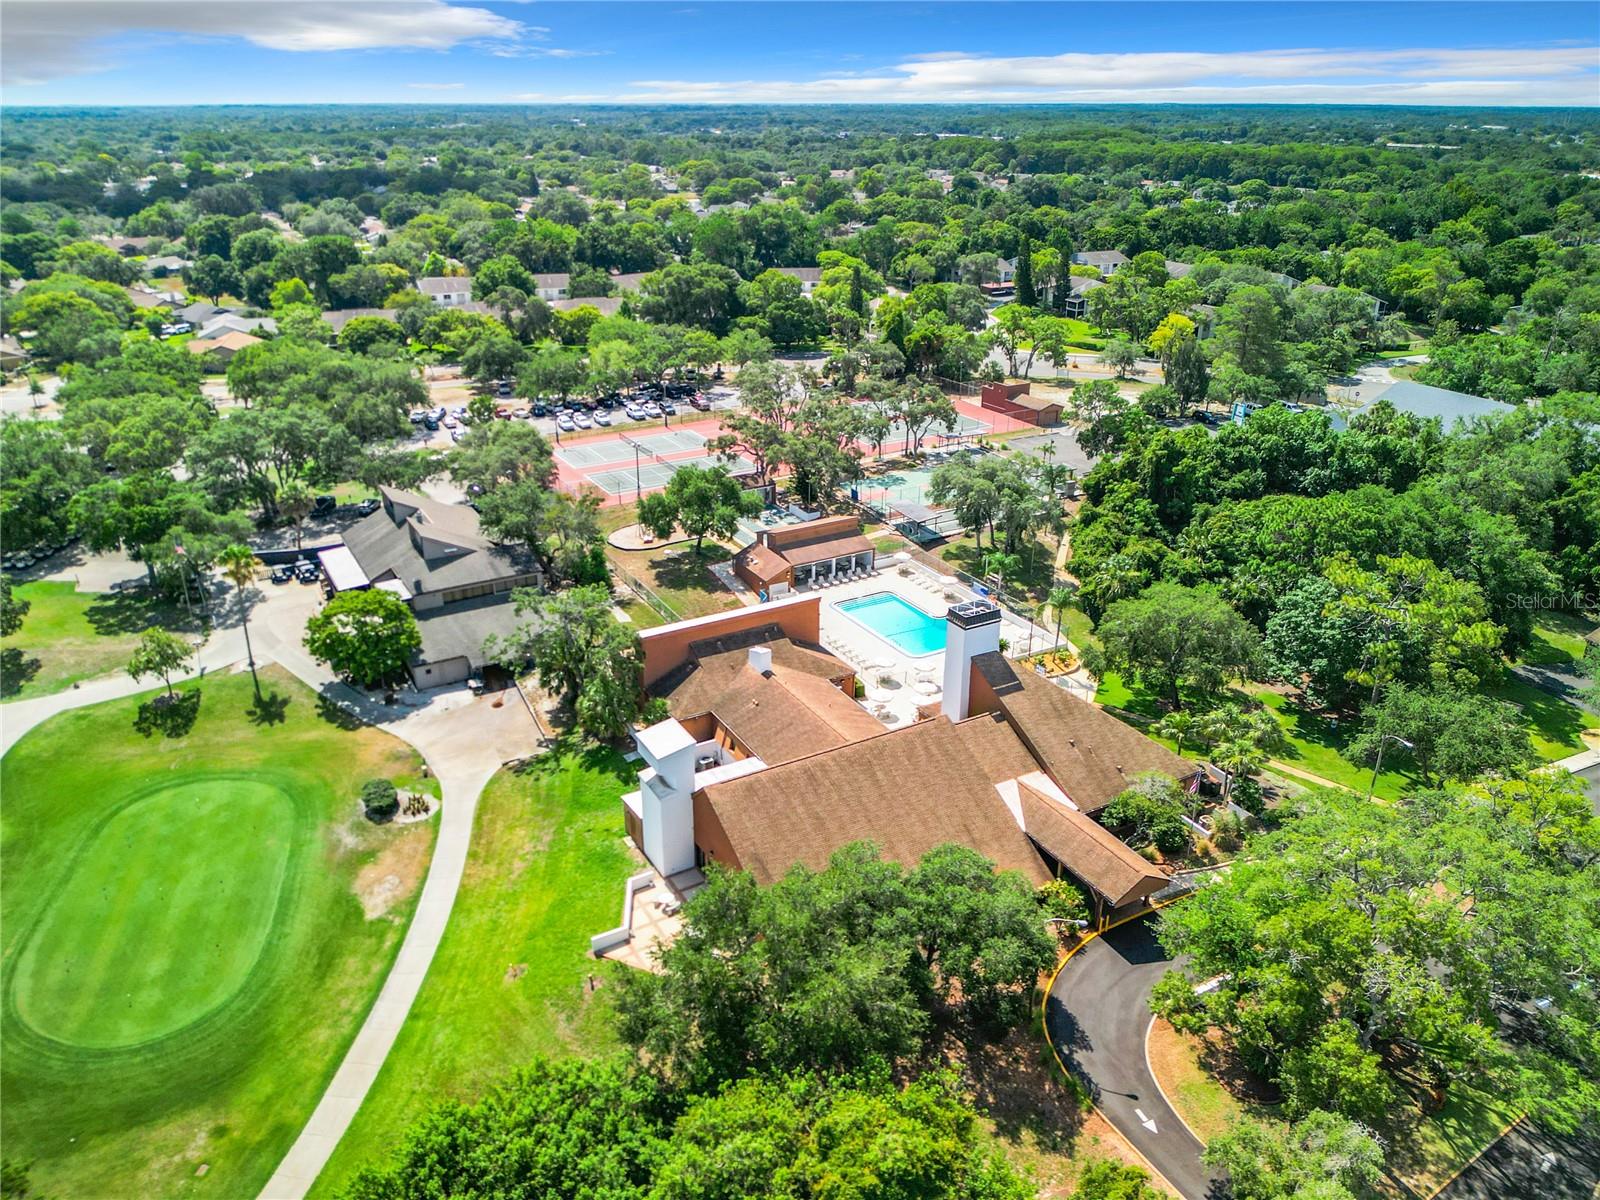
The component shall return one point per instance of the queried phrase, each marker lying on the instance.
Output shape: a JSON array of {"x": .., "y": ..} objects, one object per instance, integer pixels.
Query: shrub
[
  {"x": 1062, "y": 901},
  {"x": 1247, "y": 795},
  {"x": 380, "y": 799}
]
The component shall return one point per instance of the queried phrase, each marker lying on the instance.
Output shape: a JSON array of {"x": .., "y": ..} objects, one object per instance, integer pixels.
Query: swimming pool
[{"x": 902, "y": 624}]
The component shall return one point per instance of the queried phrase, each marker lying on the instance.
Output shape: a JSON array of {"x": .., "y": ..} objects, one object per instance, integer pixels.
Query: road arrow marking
[{"x": 1144, "y": 1120}]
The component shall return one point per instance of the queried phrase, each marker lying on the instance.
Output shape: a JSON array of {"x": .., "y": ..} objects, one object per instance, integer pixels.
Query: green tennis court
[{"x": 623, "y": 481}]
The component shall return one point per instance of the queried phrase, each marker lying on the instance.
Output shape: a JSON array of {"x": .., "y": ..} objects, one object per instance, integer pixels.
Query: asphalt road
[
  {"x": 1098, "y": 1015},
  {"x": 1591, "y": 781},
  {"x": 1529, "y": 1164}
]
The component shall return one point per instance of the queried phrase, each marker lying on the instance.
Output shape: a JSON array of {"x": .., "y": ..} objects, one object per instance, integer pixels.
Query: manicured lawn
[
  {"x": 1033, "y": 581},
  {"x": 1555, "y": 726},
  {"x": 192, "y": 928},
  {"x": 1558, "y": 640},
  {"x": 69, "y": 636},
  {"x": 510, "y": 979},
  {"x": 1206, "y": 1107}
]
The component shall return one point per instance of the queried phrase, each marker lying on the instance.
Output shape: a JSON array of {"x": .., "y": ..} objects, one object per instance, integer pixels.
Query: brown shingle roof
[
  {"x": 1090, "y": 754},
  {"x": 826, "y": 548},
  {"x": 1091, "y": 853},
  {"x": 787, "y": 715},
  {"x": 908, "y": 790},
  {"x": 766, "y": 565}
]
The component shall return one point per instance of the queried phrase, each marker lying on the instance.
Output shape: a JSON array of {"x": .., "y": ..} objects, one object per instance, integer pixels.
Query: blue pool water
[{"x": 903, "y": 625}]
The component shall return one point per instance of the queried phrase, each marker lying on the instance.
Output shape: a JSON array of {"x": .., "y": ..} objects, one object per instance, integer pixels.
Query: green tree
[
  {"x": 162, "y": 655},
  {"x": 1107, "y": 1179},
  {"x": 1150, "y": 812},
  {"x": 1171, "y": 636},
  {"x": 368, "y": 635},
  {"x": 12, "y": 608},
  {"x": 701, "y": 501},
  {"x": 1451, "y": 734},
  {"x": 580, "y": 653},
  {"x": 1324, "y": 1156},
  {"x": 1121, "y": 354},
  {"x": 1027, "y": 294}
]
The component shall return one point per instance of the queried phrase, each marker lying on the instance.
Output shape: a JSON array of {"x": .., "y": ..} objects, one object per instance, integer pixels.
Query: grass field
[
  {"x": 192, "y": 930},
  {"x": 679, "y": 577},
  {"x": 509, "y": 981},
  {"x": 69, "y": 636},
  {"x": 1558, "y": 640}
]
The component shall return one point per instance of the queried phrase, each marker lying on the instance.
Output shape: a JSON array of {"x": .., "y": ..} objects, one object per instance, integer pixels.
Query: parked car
[
  {"x": 417, "y": 418},
  {"x": 451, "y": 423},
  {"x": 367, "y": 507},
  {"x": 282, "y": 573},
  {"x": 564, "y": 423},
  {"x": 307, "y": 572},
  {"x": 652, "y": 409},
  {"x": 583, "y": 420},
  {"x": 430, "y": 423},
  {"x": 503, "y": 388},
  {"x": 323, "y": 506},
  {"x": 668, "y": 407},
  {"x": 602, "y": 418},
  {"x": 538, "y": 409},
  {"x": 701, "y": 401},
  {"x": 634, "y": 412}
]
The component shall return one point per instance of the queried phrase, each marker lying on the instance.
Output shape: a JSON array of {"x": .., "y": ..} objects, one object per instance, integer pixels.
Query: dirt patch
[
  {"x": 515, "y": 972},
  {"x": 394, "y": 875}
]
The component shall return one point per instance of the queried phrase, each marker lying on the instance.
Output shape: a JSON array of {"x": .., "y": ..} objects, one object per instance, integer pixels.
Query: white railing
[{"x": 612, "y": 938}]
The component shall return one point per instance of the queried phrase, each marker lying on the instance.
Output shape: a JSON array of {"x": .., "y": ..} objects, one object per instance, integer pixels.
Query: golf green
[
  {"x": 192, "y": 929},
  {"x": 190, "y": 872}
]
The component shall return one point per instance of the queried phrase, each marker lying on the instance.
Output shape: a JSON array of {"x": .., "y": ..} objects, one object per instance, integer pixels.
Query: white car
[
  {"x": 582, "y": 421},
  {"x": 602, "y": 418},
  {"x": 451, "y": 423},
  {"x": 564, "y": 423}
]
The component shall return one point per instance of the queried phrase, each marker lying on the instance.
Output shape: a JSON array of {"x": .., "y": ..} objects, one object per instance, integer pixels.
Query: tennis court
[
  {"x": 965, "y": 427},
  {"x": 605, "y": 452},
  {"x": 652, "y": 474}
]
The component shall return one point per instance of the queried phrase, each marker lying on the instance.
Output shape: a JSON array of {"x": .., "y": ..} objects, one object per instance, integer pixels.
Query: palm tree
[
  {"x": 1058, "y": 599},
  {"x": 239, "y": 565},
  {"x": 1177, "y": 725},
  {"x": 1238, "y": 757}
]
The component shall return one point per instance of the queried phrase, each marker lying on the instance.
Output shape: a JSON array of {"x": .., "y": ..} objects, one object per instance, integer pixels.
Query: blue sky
[{"x": 693, "y": 51}]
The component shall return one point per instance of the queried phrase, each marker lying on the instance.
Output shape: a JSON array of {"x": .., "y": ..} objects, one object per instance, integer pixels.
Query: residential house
[
  {"x": 199, "y": 312},
  {"x": 340, "y": 317},
  {"x": 551, "y": 286},
  {"x": 1076, "y": 302},
  {"x": 234, "y": 323},
  {"x": 765, "y": 763},
  {"x": 12, "y": 353},
  {"x": 448, "y": 291},
  {"x": 437, "y": 558},
  {"x": 809, "y": 277},
  {"x": 1107, "y": 262},
  {"x": 218, "y": 351},
  {"x": 162, "y": 265},
  {"x": 627, "y": 281},
  {"x": 127, "y": 246}
]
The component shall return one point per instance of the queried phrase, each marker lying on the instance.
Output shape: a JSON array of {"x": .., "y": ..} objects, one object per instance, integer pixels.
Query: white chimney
[
  {"x": 761, "y": 659},
  {"x": 666, "y": 795},
  {"x": 970, "y": 629}
]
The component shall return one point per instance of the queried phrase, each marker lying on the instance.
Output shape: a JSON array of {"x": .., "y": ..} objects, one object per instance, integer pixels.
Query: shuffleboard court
[
  {"x": 624, "y": 481},
  {"x": 606, "y": 452}
]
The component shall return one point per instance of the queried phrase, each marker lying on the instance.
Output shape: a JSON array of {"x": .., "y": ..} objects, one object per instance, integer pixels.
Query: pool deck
[{"x": 898, "y": 684}]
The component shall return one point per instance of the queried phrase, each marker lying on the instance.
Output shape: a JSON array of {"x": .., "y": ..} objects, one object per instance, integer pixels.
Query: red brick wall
[{"x": 667, "y": 647}]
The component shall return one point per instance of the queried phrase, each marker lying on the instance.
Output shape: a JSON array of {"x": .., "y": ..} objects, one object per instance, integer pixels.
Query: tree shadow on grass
[
  {"x": 687, "y": 571},
  {"x": 336, "y": 714},
  {"x": 169, "y": 716},
  {"x": 134, "y": 610},
  {"x": 17, "y": 668},
  {"x": 268, "y": 708}
]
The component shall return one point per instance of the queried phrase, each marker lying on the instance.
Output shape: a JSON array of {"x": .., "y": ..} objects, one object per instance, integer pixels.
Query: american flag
[{"x": 1194, "y": 784}]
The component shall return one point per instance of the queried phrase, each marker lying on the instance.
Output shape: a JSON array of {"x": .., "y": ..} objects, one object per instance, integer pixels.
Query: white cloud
[
  {"x": 46, "y": 39},
  {"x": 1512, "y": 76}
]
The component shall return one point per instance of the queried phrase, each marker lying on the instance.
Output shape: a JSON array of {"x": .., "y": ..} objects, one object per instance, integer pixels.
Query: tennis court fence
[{"x": 642, "y": 590}]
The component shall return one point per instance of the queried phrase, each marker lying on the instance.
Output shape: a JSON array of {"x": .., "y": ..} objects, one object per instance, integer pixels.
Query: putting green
[{"x": 179, "y": 887}]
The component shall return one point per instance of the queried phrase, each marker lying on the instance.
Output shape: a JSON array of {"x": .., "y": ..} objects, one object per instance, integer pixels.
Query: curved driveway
[{"x": 1097, "y": 1016}]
